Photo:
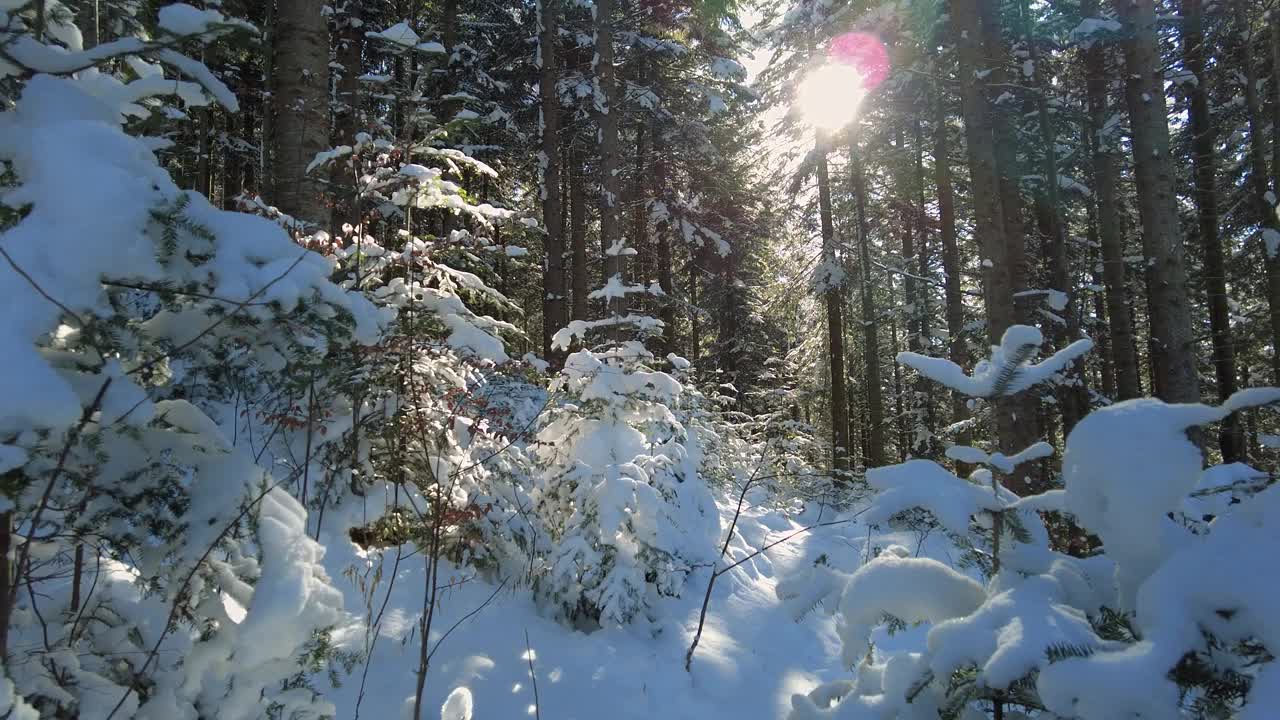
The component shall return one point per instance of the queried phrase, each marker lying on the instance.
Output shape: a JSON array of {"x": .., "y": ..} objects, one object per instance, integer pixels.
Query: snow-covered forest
[{"x": 581, "y": 359}]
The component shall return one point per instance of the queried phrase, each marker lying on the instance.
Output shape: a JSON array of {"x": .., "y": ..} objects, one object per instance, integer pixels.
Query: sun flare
[{"x": 830, "y": 96}]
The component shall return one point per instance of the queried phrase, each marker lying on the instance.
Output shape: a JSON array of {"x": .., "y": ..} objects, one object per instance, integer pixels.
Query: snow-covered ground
[{"x": 751, "y": 658}]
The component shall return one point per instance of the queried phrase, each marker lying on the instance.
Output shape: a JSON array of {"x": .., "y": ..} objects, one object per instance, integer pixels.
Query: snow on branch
[{"x": 1006, "y": 372}]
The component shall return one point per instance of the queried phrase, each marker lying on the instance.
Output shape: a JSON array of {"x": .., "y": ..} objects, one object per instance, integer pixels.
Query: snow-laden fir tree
[
  {"x": 620, "y": 489},
  {"x": 1168, "y": 620},
  {"x": 133, "y": 307}
]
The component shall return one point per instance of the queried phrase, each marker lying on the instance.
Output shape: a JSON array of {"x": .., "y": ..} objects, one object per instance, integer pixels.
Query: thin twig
[
  {"x": 239, "y": 306},
  {"x": 31, "y": 281},
  {"x": 533, "y": 676}
]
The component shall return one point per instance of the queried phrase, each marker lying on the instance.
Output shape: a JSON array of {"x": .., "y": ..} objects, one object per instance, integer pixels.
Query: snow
[
  {"x": 601, "y": 516},
  {"x": 399, "y": 34},
  {"x": 984, "y": 381},
  {"x": 1007, "y": 638},
  {"x": 1055, "y": 299},
  {"x": 746, "y": 663},
  {"x": 924, "y": 483},
  {"x": 183, "y": 19},
  {"x": 1271, "y": 241},
  {"x": 614, "y": 289},
  {"x": 913, "y": 590},
  {"x": 458, "y": 706},
  {"x": 1085, "y": 32}
]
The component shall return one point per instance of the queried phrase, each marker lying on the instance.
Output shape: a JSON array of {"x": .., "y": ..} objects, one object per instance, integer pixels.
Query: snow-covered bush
[
  {"x": 1169, "y": 621},
  {"x": 620, "y": 490},
  {"x": 133, "y": 309},
  {"x": 440, "y": 443}
]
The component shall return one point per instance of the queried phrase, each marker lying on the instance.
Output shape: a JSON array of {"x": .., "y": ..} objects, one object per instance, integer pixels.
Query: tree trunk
[
  {"x": 957, "y": 352},
  {"x": 662, "y": 237},
  {"x": 911, "y": 292},
  {"x": 928, "y": 445},
  {"x": 1105, "y": 161},
  {"x": 695, "y": 328},
  {"x": 204, "y": 126},
  {"x": 266, "y": 174},
  {"x": 835, "y": 322},
  {"x": 1014, "y": 425},
  {"x": 875, "y": 443},
  {"x": 7, "y": 581},
  {"x": 1258, "y": 178},
  {"x": 349, "y": 53},
  {"x": 995, "y": 56},
  {"x": 578, "y": 236},
  {"x": 554, "y": 315},
  {"x": 639, "y": 193},
  {"x": 1275, "y": 102},
  {"x": 1204, "y": 169},
  {"x": 301, "y": 100},
  {"x": 1073, "y": 398},
  {"x": 615, "y": 264},
  {"x": 89, "y": 20},
  {"x": 1173, "y": 360}
]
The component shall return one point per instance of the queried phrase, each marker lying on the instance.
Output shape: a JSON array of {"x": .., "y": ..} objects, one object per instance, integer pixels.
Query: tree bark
[
  {"x": 957, "y": 352},
  {"x": 835, "y": 321},
  {"x": 1205, "y": 171},
  {"x": 1015, "y": 426},
  {"x": 1073, "y": 397},
  {"x": 204, "y": 126},
  {"x": 301, "y": 100},
  {"x": 1173, "y": 359},
  {"x": 1275, "y": 101},
  {"x": 1258, "y": 177},
  {"x": 1105, "y": 162},
  {"x": 662, "y": 237},
  {"x": 554, "y": 314},
  {"x": 911, "y": 287},
  {"x": 578, "y": 237},
  {"x": 350, "y": 55},
  {"x": 875, "y": 443},
  {"x": 615, "y": 264}
]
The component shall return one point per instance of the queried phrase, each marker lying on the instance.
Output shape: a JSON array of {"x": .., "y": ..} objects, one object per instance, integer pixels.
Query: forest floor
[{"x": 752, "y": 657}]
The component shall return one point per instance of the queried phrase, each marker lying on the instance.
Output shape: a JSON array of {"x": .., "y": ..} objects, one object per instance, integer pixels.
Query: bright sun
[{"x": 830, "y": 96}]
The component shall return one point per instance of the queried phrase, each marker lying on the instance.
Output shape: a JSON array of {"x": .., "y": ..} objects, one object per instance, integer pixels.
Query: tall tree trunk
[
  {"x": 695, "y": 327},
  {"x": 995, "y": 57},
  {"x": 204, "y": 126},
  {"x": 301, "y": 99},
  {"x": 835, "y": 321},
  {"x": 641, "y": 184},
  {"x": 913, "y": 324},
  {"x": 1073, "y": 397},
  {"x": 1205, "y": 171},
  {"x": 350, "y": 55},
  {"x": 1105, "y": 162},
  {"x": 957, "y": 352},
  {"x": 1170, "y": 311},
  {"x": 1258, "y": 178},
  {"x": 874, "y": 445},
  {"x": 615, "y": 264},
  {"x": 1275, "y": 103},
  {"x": 899, "y": 411},
  {"x": 266, "y": 172},
  {"x": 89, "y": 20},
  {"x": 554, "y": 315},
  {"x": 578, "y": 236},
  {"x": 662, "y": 237},
  {"x": 1013, "y": 423},
  {"x": 7, "y": 581}
]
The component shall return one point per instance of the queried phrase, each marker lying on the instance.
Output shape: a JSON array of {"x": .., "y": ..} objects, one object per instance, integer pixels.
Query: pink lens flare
[{"x": 865, "y": 53}]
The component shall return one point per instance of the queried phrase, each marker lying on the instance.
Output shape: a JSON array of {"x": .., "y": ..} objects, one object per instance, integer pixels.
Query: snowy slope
[{"x": 752, "y": 657}]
